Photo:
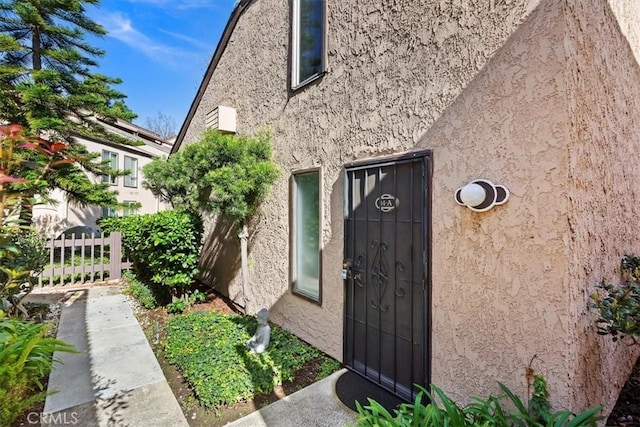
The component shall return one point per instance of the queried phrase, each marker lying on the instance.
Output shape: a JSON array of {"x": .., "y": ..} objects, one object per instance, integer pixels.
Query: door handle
[{"x": 346, "y": 270}]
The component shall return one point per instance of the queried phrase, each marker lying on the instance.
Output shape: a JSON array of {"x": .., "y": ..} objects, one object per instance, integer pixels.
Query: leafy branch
[{"x": 619, "y": 306}]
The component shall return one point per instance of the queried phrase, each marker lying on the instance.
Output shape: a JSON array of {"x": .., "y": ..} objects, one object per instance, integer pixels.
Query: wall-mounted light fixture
[{"x": 480, "y": 195}]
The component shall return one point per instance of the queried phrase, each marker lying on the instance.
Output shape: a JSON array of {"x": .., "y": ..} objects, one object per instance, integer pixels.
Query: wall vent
[{"x": 222, "y": 118}]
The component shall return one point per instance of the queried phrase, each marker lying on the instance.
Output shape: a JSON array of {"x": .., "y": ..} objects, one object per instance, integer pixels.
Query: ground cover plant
[
  {"x": 140, "y": 291},
  {"x": 210, "y": 350}
]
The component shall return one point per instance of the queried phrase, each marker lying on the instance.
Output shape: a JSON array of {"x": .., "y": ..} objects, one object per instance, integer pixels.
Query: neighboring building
[
  {"x": 380, "y": 112},
  {"x": 53, "y": 219}
]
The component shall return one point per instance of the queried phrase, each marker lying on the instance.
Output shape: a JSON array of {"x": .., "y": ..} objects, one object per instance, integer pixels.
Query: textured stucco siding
[
  {"x": 484, "y": 84},
  {"x": 604, "y": 80},
  {"x": 500, "y": 284},
  {"x": 392, "y": 70}
]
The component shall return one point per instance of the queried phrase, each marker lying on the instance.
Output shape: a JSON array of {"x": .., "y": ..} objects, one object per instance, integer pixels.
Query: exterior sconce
[{"x": 480, "y": 195}]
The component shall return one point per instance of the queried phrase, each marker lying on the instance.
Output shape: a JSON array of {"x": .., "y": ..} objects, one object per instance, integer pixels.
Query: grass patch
[{"x": 209, "y": 348}]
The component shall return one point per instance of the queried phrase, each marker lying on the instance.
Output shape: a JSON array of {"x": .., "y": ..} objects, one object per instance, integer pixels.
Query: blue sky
[{"x": 160, "y": 49}]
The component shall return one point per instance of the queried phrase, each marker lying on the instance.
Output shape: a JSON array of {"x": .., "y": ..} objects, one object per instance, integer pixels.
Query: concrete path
[
  {"x": 115, "y": 380},
  {"x": 313, "y": 406}
]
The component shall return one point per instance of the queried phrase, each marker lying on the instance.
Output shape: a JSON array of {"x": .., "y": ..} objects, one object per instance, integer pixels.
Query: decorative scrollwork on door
[
  {"x": 380, "y": 274},
  {"x": 357, "y": 272},
  {"x": 399, "y": 289}
]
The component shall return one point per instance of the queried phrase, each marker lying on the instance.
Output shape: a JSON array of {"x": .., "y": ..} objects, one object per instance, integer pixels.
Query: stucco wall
[
  {"x": 604, "y": 79},
  {"x": 500, "y": 282},
  {"x": 391, "y": 72},
  {"x": 482, "y": 83}
]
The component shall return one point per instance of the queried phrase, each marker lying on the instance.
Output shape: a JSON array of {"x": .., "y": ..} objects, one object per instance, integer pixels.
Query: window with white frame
[
  {"x": 108, "y": 212},
  {"x": 111, "y": 159},
  {"x": 131, "y": 164},
  {"x": 306, "y": 256},
  {"x": 307, "y": 37},
  {"x": 130, "y": 208}
]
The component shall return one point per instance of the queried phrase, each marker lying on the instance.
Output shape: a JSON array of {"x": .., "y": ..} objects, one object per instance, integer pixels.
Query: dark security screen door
[{"x": 386, "y": 320}]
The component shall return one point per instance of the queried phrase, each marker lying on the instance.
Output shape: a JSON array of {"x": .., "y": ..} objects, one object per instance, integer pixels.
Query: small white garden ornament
[{"x": 260, "y": 340}]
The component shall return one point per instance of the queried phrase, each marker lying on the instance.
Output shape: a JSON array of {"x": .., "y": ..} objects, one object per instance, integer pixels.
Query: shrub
[
  {"x": 178, "y": 306},
  {"x": 480, "y": 412},
  {"x": 226, "y": 174},
  {"x": 25, "y": 352},
  {"x": 187, "y": 300},
  {"x": 22, "y": 263},
  {"x": 25, "y": 357},
  {"x": 619, "y": 306},
  {"x": 163, "y": 247}
]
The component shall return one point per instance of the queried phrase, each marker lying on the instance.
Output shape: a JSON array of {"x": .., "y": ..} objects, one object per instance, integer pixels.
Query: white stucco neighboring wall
[{"x": 54, "y": 218}]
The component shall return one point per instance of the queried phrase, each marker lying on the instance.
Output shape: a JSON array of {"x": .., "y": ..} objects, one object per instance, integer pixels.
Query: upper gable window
[
  {"x": 131, "y": 164},
  {"x": 307, "y": 26}
]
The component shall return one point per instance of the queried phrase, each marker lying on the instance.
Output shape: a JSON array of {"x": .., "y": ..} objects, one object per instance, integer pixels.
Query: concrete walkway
[
  {"x": 115, "y": 380},
  {"x": 313, "y": 406}
]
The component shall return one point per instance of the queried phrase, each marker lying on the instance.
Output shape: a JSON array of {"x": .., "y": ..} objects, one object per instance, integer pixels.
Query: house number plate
[{"x": 387, "y": 203}]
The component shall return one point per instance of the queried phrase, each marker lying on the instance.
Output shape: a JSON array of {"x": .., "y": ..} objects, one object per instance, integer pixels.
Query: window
[
  {"x": 112, "y": 159},
  {"x": 307, "y": 36},
  {"x": 131, "y": 164},
  {"x": 108, "y": 212},
  {"x": 130, "y": 209},
  {"x": 306, "y": 234}
]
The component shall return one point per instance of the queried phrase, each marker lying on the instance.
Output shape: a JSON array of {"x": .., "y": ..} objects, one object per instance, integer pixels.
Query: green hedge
[{"x": 163, "y": 247}]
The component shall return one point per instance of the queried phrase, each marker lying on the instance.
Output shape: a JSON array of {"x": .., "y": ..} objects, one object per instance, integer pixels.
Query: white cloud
[
  {"x": 184, "y": 4},
  {"x": 120, "y": 27},
  {"x": 193, "y": 41}
]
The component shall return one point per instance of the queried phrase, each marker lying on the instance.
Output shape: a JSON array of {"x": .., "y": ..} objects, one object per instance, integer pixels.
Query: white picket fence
[{"x": 84, "y": 260}]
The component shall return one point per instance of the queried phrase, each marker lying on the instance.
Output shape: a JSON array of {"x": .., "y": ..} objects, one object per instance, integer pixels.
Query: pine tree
[{"x": 47, "y": 85}]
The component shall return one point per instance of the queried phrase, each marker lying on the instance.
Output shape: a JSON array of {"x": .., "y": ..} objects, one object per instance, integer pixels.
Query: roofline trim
[{"x": 128, "y": 148}]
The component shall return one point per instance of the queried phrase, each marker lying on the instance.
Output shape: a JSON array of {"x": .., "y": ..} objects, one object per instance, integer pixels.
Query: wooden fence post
[{"x": 115, "y": 256}]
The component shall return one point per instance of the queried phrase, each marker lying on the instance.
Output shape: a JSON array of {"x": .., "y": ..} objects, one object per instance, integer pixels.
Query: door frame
[{"x": 427, "y": 156}]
